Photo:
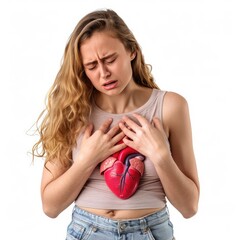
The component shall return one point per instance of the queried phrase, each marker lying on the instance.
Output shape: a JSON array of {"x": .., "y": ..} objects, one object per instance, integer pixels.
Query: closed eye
[
  {"x": 91, "y": 67},
  {"x": 110, "y": 61}
]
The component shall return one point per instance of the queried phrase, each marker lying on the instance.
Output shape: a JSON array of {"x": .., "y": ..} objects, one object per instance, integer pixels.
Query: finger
[
  {"x": 118, "y": 137},
  {"x": 118, "y": 147},
  {"x": 105, "y": 126},
  {"x": 88, "y": 131},
  {"x": 142, "y": 120},
  {"x": 157, "y": 123},
  {"x": 113, "y": 131},
  {"x": 130, "y": 123},
  {"x": 126, "y": 130},
  {"x": 129, "y": 143}
]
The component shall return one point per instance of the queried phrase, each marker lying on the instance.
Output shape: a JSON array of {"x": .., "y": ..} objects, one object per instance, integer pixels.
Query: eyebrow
[{"x": 102, "y": 59}]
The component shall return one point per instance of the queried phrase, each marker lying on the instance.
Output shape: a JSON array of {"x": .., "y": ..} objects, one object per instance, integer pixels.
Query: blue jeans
[{"x": 88, "y": 226}]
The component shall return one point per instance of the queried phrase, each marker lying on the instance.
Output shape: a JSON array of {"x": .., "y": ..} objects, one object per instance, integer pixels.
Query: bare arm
[
  {"x": 176, "y": 164},
  {"x": 60, "y": 187}
]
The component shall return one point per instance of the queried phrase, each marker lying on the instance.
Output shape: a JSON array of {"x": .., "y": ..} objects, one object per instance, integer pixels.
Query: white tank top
[{"x": 150, "y": 192}]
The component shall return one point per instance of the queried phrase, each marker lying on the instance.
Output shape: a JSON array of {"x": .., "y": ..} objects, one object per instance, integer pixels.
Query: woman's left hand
[{"x": 147, "y": 138}]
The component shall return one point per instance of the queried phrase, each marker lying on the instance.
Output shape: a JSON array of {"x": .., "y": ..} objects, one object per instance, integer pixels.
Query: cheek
[
  {"x": 92, "y": 77},
  {"x": 127, "y": 70},
  {"x": 91, "y": 81},
  {"x": 122, "y": 69}
]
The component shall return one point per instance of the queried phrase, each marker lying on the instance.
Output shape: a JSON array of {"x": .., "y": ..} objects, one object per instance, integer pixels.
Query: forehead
[{"x": 99, "y": 45}]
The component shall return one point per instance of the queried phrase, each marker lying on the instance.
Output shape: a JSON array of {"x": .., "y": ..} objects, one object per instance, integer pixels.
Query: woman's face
[{"x": 107, "y": 63}]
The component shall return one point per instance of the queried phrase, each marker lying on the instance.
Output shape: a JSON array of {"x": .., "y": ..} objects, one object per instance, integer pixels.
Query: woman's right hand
[{"x": 96, "y": 147}]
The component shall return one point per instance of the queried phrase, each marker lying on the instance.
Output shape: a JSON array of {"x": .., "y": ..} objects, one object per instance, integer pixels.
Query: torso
[
  {"x": 121, "y": 214},
  {"x": 108, "y": 205}
]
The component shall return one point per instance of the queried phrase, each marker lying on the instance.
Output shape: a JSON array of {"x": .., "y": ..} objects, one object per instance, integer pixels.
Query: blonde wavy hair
[{"x": 68, "y": 103}]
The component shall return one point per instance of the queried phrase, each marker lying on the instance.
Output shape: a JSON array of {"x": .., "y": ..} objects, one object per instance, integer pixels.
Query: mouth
[{"x": 110, "y": 84}]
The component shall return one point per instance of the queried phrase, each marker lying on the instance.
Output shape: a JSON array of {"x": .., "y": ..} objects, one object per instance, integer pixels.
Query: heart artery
[{"x": 122, "y": 172}]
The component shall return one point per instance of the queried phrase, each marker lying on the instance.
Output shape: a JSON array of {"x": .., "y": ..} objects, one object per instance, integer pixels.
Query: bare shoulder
[
  {"x": 174, "y": 101},
  {"x": 175, "y": 109}
]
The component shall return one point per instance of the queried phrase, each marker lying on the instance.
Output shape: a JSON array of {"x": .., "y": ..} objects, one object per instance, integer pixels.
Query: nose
[{"x": 104, "y": 71}]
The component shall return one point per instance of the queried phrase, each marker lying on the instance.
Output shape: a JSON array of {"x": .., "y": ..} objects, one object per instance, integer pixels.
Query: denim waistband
[{"x": 121, "y": 226}]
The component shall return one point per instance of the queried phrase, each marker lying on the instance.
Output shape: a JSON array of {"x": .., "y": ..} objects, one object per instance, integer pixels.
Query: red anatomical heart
[{"x": 122, "y": 172}]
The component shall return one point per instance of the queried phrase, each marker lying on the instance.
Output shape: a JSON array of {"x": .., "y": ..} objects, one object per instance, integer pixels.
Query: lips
[{"x": 110, "y": 84}]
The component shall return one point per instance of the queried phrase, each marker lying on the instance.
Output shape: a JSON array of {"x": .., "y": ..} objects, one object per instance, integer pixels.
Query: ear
[{"x": 133, "y": 55}]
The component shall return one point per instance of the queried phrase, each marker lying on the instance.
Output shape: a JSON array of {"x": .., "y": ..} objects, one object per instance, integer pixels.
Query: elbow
[
  {"x": 190, "y": 211},
  {"x": 50, "y": 211},
  {"x": 192, "y": 208}
]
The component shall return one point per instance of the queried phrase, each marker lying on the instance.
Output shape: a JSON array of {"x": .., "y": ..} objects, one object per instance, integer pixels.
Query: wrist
[
  {"x": 162, "y": 159},
  {"x": 84, "y": 163}
]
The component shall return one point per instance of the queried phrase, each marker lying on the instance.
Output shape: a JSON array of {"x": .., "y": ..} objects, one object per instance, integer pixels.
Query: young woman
[{"x": 113, "y": 142}]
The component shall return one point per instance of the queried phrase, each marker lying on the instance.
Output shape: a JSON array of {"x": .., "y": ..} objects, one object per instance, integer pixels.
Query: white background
[{"x": 193, "y": 47}]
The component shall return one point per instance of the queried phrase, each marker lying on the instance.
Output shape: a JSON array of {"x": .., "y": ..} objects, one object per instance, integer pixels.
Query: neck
[{"x": 124, "y": 102}]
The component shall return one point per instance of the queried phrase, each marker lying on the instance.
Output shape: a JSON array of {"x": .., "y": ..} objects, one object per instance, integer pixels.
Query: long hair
[{"x": 68, "y": 103}]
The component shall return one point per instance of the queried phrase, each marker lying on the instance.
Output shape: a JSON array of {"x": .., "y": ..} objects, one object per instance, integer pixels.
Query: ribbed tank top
[{"x": 150, "y": 192}]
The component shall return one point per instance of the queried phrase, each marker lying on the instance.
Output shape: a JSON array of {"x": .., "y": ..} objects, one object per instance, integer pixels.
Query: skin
[{"x": 108, "y": 66}]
